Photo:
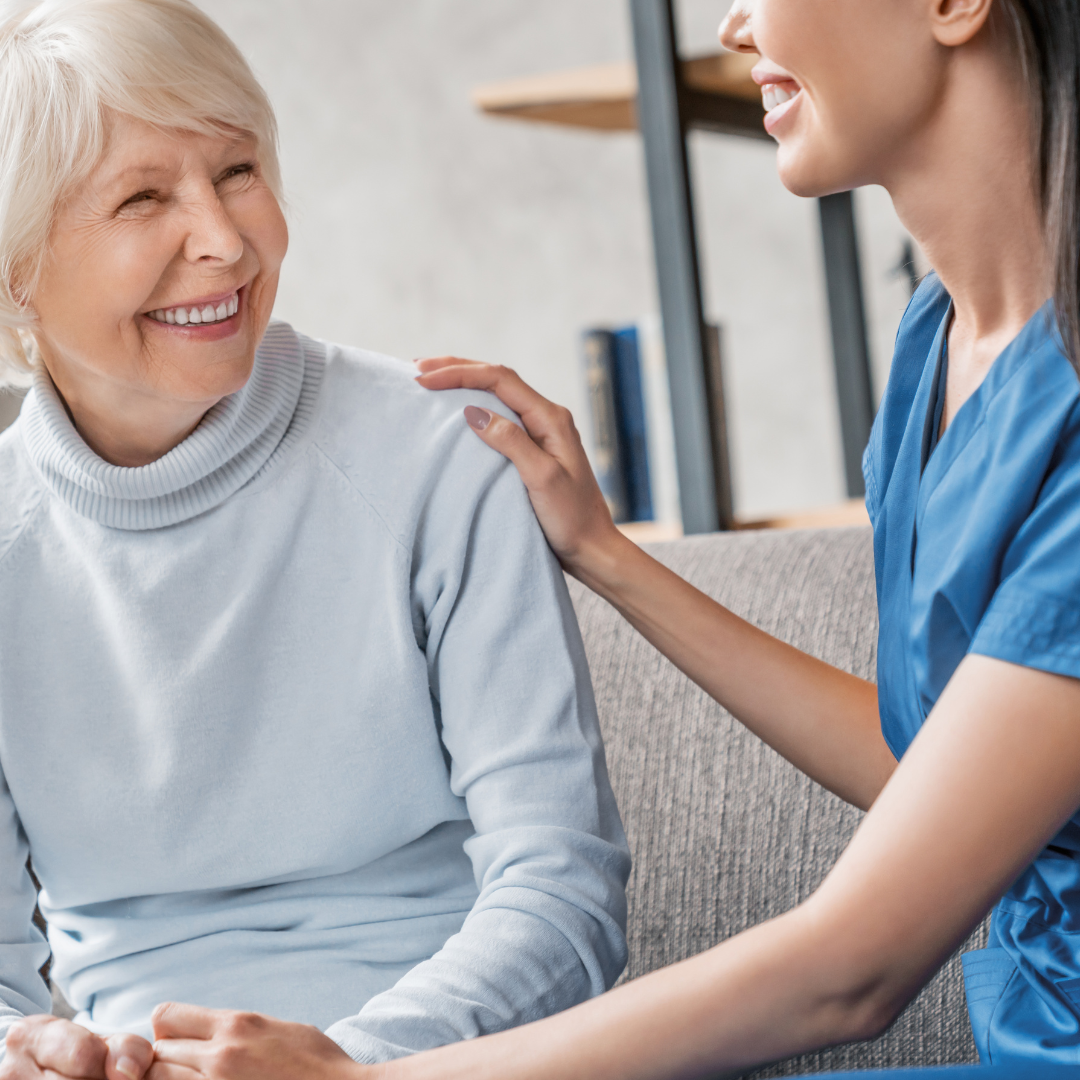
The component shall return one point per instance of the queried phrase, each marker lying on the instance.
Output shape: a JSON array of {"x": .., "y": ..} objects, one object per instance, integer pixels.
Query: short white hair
[{"x": 65, "y": 66}]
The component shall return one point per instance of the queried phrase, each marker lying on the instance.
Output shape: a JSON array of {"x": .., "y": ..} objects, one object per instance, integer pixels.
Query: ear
[{"x": 956, "y": 22}]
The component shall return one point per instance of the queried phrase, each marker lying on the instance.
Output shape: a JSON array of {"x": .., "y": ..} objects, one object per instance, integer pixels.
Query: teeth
[
  {"x": 208, "y": 313},
  {"x": 773, "y": 95}
]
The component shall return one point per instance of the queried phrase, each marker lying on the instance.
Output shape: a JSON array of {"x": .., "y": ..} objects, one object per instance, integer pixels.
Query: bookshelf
[{"x": 665, "y": 96}]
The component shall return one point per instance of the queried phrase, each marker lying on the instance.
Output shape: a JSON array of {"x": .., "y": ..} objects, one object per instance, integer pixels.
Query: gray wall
[{"x": 420, "y": 227}]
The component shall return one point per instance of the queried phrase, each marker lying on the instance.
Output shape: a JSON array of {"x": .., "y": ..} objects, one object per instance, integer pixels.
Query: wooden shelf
[
  {"x": 844, "y": 515},
  {"x": 604, "y": 97}
]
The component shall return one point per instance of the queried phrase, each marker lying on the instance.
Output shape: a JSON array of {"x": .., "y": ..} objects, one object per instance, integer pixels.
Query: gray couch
[{"x": 724, "y": 832}]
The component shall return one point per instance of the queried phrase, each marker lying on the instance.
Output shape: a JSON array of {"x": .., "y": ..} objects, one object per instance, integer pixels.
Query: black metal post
[
  {"x": 661, "y": 117},
  {"x": 851, "y": 354}
]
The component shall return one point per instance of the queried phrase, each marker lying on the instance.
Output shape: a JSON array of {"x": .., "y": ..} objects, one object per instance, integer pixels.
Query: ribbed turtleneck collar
[{"x": 232, "y": 443}]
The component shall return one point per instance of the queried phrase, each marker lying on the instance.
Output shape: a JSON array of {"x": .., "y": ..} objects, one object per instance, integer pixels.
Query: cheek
[
  {"x": 268, "y": 234},
  {"x": 866, "y": 88},
  {"x": 94, "y": 285}
]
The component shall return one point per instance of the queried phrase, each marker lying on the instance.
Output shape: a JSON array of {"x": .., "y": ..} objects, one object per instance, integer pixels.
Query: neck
[
  {"x": 123, "y": 426},
  {"x": 967, "y": 193}
]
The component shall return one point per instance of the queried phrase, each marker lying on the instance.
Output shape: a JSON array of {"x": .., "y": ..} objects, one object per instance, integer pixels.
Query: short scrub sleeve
[{"x": 1033, "y": 618}]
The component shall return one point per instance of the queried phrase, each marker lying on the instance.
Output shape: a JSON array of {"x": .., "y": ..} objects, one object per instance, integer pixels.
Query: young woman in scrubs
[{"x": 966, "y": 754}]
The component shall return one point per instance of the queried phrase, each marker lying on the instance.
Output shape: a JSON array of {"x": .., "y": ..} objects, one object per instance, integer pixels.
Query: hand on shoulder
[{"x": 548, "y": 454}]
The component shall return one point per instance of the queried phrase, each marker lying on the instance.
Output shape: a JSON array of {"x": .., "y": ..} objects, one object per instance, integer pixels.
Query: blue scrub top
[{"x": 977, "y": 550}]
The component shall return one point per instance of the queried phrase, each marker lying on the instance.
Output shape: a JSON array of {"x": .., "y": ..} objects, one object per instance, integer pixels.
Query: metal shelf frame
[{"x": 668, "y": 110}]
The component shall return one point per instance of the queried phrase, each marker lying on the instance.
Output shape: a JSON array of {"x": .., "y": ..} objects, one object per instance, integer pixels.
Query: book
[
  {"x": 659, "y": 428},
  {"x": 598, "y": 353},
  {"x": 630, "y": 422},
  {"x": 634, "y": 454}
]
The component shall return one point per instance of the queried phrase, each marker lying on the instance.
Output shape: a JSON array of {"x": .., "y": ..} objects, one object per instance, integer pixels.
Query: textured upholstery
[{"x": 723, "y": 831}]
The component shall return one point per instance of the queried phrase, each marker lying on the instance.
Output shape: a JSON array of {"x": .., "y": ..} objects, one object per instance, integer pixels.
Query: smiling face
[
  {"x": 848, "y": 85},
  {"x": 160, "y": 280}
]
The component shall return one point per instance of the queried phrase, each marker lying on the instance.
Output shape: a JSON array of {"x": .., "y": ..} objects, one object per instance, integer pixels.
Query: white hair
[{"x": 65, "y": 66}]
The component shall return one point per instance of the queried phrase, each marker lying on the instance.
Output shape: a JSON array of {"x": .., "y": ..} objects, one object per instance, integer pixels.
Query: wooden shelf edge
[
  {"x": 845, "y": 515},
  {"x": 603, "y": 97}
]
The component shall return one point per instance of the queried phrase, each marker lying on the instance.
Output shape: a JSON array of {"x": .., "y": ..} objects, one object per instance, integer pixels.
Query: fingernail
[
  {"x": 478, "y": 419},
  {"x": 128, "y": 1067}
]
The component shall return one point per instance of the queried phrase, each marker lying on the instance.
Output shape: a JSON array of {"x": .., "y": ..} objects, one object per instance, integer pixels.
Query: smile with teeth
[
  {"x": 194, "y": 316},
  {"x": 774, "y": 95}
]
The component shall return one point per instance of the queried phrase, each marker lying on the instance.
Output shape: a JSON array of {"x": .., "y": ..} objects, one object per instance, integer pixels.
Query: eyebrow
[{"x": 133, "y": 172}]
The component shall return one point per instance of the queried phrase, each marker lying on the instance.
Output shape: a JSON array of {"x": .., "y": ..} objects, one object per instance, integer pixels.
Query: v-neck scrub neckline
[{"x": 977, "y": 550}]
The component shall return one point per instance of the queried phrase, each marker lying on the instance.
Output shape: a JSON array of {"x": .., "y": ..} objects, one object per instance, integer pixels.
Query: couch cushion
[{"x": 723, "y": 831}]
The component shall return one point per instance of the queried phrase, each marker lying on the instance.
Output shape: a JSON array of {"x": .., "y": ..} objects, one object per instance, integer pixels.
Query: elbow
[
  {"x": 861, "y": 987},
  {"x": 858, "y": 1009},
  {"x": 862, "y": 1016}
]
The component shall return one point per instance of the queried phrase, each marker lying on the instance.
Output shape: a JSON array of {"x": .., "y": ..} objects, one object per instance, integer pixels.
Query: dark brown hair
[{"x": 1048, "y": 33}]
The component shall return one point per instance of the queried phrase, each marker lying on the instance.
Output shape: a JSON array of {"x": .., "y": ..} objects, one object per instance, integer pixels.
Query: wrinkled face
[
  {"x": 847, "y": 84},
  {"x": 163, "y": 268}
]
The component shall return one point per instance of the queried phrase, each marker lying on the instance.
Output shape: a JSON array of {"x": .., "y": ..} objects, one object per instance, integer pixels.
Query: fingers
[
  {"x": 190, "y": 1053},
  {"x": 163, "y": 1070},
  {"x": 435, "y": 363},
  {"x": 535, "y": 410},
  {"x": 172, "y": 1020},
  {"x": 534, "y": 465},
  {"x": 128, "y": 1058},
  {"x": 58, "y": 1046}
]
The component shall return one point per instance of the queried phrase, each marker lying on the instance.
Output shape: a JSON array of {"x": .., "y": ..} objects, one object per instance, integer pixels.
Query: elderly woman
[{"x": 295, "y": 719}]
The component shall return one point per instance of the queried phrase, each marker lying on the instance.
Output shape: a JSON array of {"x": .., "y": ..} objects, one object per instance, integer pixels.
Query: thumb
[
  {"x": 129, "y": 1057},
  {"x": 513, "y": 442}
]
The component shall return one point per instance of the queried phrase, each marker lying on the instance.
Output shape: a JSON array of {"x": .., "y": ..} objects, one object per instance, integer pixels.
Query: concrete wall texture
[{"x": 420, "y": 227}]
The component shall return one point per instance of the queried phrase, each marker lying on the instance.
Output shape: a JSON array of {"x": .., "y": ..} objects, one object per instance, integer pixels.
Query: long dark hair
[{"x": 1048, "y": 34}]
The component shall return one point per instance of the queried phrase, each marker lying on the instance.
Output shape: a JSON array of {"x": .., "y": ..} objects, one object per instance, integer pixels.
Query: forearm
[
  {"x": 505, "y": 968},
  {"x": 766, "y": 994},
  {"x": 824, "y": 720}
]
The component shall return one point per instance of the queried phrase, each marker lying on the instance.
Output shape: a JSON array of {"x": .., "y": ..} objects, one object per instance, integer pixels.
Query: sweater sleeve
[
  {"x": 23, "y": 949},
  {"x": 509, "y": 678}
]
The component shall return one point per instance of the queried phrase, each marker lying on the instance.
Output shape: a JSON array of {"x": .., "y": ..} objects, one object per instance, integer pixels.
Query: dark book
[
  {"x": 630, "y": 417},
  {"x": 600, "y": 378}
]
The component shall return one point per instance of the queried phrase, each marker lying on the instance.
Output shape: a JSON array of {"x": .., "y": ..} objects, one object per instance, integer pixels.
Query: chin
[
  {"x": 216, "y": 381},
  {"x": 810, "y": 175}
]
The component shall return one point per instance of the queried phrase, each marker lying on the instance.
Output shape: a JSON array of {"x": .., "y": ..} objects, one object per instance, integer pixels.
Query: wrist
[{"x": 602, "y": 562}]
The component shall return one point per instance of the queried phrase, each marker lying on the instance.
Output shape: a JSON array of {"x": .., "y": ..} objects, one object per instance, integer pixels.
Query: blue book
[
  {"x": 600, "y": 378},
  {"x": 630, "y": 414}
]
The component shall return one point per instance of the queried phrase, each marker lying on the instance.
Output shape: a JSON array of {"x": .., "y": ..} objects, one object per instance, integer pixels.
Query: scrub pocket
[
  {"x": 1071, "y": 989},
  {"x": 986, "y": 974}
]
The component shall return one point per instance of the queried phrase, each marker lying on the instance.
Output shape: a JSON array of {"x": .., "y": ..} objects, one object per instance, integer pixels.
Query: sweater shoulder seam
[
  {"x": 367, "y": 502},
  {"x": 38, "y": 499}
]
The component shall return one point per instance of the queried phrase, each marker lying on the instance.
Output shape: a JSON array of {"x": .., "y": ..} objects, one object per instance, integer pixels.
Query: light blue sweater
[{"x": 297, "y": 719}]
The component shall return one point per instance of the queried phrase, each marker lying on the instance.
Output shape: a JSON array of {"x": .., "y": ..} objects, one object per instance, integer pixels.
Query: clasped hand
[{"x": 190, "y": 1042}]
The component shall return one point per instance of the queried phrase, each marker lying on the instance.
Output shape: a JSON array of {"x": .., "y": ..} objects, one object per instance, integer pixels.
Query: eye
[
  {"x": 142, "y": 196},
  {"x": 244, "y": 169}
]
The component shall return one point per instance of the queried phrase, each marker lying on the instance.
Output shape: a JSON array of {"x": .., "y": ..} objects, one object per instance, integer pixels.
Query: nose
[
  {"x": 213, "y": 237},
  {"x": 736, "y": 33}
]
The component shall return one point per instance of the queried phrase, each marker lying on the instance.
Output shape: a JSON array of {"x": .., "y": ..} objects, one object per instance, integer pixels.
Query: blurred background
[{"x": 422, "y": 227}]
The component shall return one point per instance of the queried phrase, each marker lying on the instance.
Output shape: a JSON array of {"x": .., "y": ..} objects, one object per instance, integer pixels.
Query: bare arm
[
  {"x": 824, "y": 720},
  {"x": 989, "y": 780}
]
